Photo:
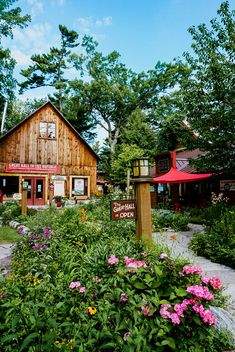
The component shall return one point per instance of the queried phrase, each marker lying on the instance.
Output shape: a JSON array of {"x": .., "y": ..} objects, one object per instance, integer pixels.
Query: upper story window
[{"x": 47, "y": 130}]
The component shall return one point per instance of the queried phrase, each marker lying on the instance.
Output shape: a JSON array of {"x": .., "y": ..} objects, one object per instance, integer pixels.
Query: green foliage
[
  {"x": 163, "y": 218},
  {"x": 9, "y": 19},
  {"x": 122, "y": 161},
  {"x": 9, "y": 211},
  {"x": 8, "y": 235},
  {"x": 218, "y": 241},
  {"x": 118, "y": 306},
  {"x": 208, "y": 94},
  {"x": 48, "y": 69}
]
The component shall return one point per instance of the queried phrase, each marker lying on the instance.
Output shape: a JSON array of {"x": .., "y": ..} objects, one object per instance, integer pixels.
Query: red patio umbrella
[{"x": 175, "y": 176}]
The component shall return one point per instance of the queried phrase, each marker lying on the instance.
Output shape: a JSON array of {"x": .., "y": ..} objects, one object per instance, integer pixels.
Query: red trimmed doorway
[{"x": 36, "y": 190}]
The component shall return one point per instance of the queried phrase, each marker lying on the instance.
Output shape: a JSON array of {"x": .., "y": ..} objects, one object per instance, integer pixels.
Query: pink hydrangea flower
[
  {"x": 188, "y": 269},
  {"x": 215, "y": 282},
  {"x": 174, "y": 318},
  {"x": 132, "y": 263},
  {"x": 208, "y": 317},
  {"x": 198, "y": 309},
  {"x": 163, "y": 256},
  {"x": 164, "y": 310},
  {"x": 74, "y": 284},
  {"x": 200, "y": 292},
  {"x": 113, "y": 260},
  {"x": 205, "y": 279},
  {"x": 82, "y": 289}
]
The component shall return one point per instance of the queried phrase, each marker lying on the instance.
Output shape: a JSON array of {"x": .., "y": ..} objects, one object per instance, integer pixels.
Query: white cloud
[
  {"x": 34, "y": 37},
  {"x": 36, "y": 7},
  {"x": 87, "y": 24},
  {"x": 20, "y": 57}
]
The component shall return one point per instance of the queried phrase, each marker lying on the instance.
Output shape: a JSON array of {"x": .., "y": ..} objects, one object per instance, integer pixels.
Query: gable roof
[{"x": 61, "y": 115}]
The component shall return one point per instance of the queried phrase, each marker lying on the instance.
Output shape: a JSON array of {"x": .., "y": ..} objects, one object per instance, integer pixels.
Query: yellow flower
[
  {"x": 69, "y": 344},
  {"x": 91, "y": 310},
  {"x": 36, "y": 281}
]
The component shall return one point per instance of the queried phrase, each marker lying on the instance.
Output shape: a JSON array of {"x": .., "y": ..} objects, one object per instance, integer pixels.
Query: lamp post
[
  {"x": 141, "y": 179},
  {"x": 24, "y": 188}
]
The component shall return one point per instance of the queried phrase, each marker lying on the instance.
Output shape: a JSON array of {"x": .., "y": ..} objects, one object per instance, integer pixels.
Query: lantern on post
[
  {"x": 141, "y": 179},
  {"x": 141, "y": 168}
]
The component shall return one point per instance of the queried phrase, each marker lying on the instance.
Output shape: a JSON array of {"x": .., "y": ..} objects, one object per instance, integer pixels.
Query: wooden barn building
[{"x": 47, "y": 152}]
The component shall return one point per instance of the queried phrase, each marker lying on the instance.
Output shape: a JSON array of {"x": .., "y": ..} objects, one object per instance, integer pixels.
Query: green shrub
[
  {"x": 218, "y": 241},
  {"x": 166, "y": 218},
  {"x": 10, "y": 212}
]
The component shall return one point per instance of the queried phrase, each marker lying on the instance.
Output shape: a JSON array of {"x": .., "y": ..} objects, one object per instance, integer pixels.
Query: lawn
[{"x": 8, "y": 235}]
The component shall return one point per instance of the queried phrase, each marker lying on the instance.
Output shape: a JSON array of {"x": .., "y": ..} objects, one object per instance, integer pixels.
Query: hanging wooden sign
[{"x": 123, "y": 209}]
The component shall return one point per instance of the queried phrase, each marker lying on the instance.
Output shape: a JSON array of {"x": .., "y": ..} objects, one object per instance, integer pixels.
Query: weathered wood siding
[{"x": 24, "y": 145}]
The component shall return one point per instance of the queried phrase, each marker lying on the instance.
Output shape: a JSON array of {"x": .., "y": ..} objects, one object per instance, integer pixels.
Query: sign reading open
[{"x": 123, "y": 209}]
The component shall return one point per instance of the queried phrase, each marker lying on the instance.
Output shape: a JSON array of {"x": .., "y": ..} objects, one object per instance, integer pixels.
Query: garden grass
[{"x": 8, "y": 235}]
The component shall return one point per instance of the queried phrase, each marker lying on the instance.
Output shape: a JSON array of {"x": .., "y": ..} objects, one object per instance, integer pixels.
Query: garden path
[{"x": 179, "y": 247}]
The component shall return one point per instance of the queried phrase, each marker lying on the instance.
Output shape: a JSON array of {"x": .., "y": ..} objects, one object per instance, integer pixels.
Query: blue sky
[{"x": 142, "y": 31}]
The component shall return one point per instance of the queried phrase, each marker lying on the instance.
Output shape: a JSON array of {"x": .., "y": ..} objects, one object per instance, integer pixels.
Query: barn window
[{"x": 47, "y": 130}]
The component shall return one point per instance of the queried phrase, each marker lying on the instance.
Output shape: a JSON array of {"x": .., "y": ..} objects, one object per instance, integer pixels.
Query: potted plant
[{"x": 58, "y": 201}]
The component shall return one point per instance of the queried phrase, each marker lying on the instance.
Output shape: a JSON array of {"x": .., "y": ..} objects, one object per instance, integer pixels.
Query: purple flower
[
  {"x": 47, "y": 232},
  {"x": 82, "y": 290}
]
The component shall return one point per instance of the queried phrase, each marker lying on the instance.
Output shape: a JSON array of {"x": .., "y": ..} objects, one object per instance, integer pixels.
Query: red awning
[{"x": 175, "y": 176}]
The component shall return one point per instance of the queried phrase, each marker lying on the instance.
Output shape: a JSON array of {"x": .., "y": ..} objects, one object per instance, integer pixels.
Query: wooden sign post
[
  {"x": 24, "y": 188},
  {"x": 51, "y": 193},
  {"x": 143, "y": 208}
]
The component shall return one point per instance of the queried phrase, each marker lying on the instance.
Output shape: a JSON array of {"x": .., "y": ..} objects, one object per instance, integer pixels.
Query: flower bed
[{"x": 82, "y": 284}]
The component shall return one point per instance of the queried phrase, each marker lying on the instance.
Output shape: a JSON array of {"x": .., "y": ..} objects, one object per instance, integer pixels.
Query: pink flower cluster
[
  {"x": 132, "y": 263},
  {"x": 163, "y": 256},
  {"x": 179, "y": 308},
  {"x": 190, "y": 269},
  {"x": 76, "y": 284},
  {"x": 113, "y": 260},
  {"x": 214, "y": 281},
  {"x": 200, "y": 292}
]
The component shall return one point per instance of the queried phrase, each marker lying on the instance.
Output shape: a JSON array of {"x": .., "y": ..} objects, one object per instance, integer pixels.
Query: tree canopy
[
  {"x": 208, "y": 94},
  {"x": 49, "y": 69},
  {"x": 9, "y": 19}
]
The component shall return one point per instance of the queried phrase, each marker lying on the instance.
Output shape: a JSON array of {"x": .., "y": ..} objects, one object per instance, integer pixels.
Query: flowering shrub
[{"x": 105, "y": 293}]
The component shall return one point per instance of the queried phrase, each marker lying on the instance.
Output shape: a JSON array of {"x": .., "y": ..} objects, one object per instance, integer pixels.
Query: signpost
[
  {"x": 51, "y": 193},
  {"x": 123, "y": 209}
]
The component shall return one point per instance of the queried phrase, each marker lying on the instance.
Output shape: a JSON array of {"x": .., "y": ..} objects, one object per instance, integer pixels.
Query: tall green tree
[
  {"x": 9, "y": 19},
  {"x": 209, "y": 93},
  {"x": 50, "y": 69},
  {"x": 113, "y": 91},
  {"x": 138, "y": 131},
  {"x": 168, "y": 122}
]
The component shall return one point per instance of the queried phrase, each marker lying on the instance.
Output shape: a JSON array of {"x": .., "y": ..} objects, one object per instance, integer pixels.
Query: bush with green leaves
[
  {"x": 163, "y": 218},
  {"x": 98, "y": 289},
  {"x": 218, "y": 241}
]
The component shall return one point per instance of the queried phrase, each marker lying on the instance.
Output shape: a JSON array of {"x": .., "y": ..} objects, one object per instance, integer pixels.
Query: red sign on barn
[
  {"x": 123, "y": 209},
  {"x": 32, "y": 168}
]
